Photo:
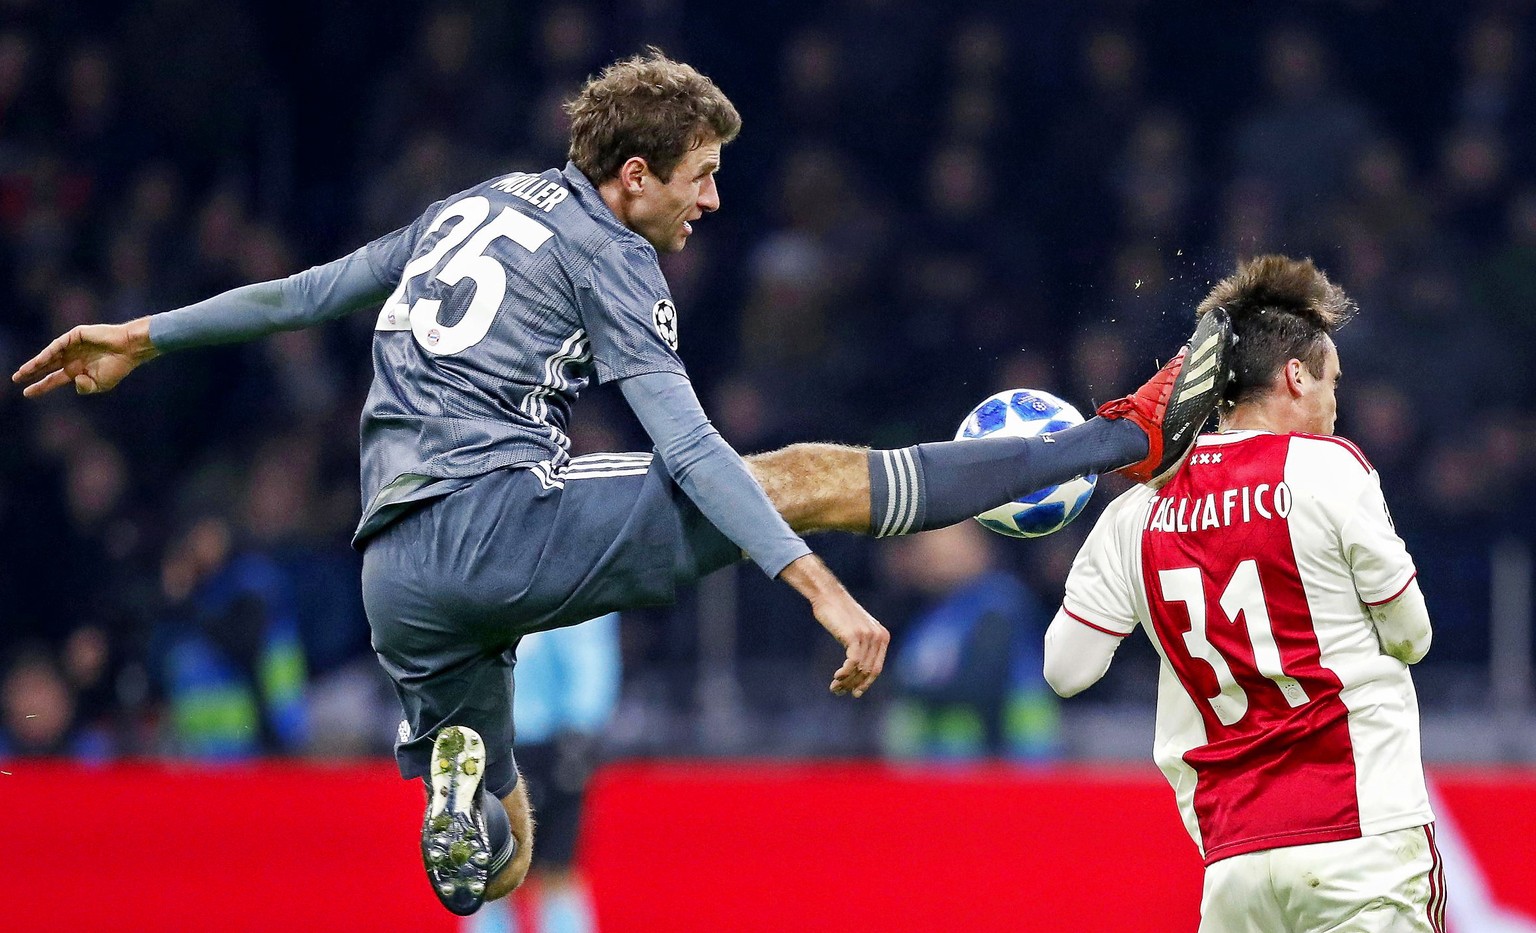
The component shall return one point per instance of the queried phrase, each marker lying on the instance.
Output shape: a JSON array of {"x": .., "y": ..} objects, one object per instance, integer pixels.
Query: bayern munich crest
[{"x": 664, "y": 314}]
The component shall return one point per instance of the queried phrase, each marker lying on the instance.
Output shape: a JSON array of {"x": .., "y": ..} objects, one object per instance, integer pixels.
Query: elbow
[
  {"x": 1063, "y": 679},
  {"x": 1411, "y": 650},
  {"x": 1064, "y": 688},
  {"x": 1070, "y": 665},
  {"x": 685, "y": 453}
]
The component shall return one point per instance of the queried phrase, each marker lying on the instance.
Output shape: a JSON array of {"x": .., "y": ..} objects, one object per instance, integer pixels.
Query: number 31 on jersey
[{"x": 1244, "y": 596}]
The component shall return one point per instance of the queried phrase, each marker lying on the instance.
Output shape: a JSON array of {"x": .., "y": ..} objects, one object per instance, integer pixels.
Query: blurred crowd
[{"x": 926, "y": 205}]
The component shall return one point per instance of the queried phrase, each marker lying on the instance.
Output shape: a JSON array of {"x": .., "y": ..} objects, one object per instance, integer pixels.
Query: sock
[{"x": 935, "y": 485}]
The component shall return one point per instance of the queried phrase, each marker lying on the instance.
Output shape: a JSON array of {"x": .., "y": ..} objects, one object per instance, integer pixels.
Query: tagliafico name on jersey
[{"x": 1232, "y": 506}]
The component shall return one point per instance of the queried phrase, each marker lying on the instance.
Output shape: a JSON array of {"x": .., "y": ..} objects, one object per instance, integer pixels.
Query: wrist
[
  {"x": 811, "y": 578},
  {"x": 140, "y": 346}
]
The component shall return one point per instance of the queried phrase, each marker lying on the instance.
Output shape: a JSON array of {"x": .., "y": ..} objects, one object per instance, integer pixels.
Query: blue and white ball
[{"x": 1027, "y": 413}]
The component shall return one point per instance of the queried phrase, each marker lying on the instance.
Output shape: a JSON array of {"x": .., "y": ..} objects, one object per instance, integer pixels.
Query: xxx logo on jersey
[{"x": 664, "y": 314}]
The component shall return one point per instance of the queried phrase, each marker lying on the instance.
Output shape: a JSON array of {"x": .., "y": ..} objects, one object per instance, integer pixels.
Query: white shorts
[{"x": 1391, "y": 883}]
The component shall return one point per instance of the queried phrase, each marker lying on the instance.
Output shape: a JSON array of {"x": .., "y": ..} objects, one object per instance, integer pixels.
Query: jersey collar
[{"x": 1227, "y": 437}]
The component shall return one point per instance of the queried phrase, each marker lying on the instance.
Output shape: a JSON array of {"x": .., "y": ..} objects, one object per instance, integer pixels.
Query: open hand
[{"x": 94, "y": 357}]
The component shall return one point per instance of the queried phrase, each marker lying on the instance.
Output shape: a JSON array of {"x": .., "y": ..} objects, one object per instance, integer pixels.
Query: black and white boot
[{"x": 455, "y": 845}]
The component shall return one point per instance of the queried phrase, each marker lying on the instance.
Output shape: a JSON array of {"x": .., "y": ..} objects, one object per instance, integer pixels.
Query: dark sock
[
  {"x": 934, "y": 485},
  {"x": 498, "y": 827}
]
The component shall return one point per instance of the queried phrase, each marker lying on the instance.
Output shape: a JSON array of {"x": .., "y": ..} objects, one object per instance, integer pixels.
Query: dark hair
[
  {"x": 648, "y": 106},
  {"x": 1282, "y": 309}
]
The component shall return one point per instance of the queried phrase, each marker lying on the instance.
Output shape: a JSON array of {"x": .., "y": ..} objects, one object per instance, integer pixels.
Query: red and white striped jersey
[{"x": 1280, "y": 721}]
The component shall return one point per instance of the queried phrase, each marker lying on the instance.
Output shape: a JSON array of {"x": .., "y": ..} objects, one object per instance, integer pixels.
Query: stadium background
[{"x": 926, "y": 205}]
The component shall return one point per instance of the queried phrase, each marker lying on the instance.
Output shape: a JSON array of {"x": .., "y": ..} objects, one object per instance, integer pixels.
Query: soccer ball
[{"x": 1027, "y": 413}]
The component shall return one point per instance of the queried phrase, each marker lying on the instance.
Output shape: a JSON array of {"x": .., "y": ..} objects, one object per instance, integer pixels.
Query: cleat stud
[
  {"x": 445, "y": 889},
  {"x": 471, "y": 766},
  {"x": 444, "y": 765},
  {"x": 451, "y": 741},
  {"x": 481, "y": 858},
  {"x": 437, "y": 855},
  {"x": 476, "y": 888}
]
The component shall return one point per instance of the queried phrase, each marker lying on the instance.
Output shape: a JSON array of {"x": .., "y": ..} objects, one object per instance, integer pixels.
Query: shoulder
[
  {"x": 1122, "y": 519},
  {"x": 562, "y": 212},
  {"x": 1326, "y": 462},
  {"x": 1128, "y": 504},
  {"x": 1329, "y": 471},
  {"x": 1335, "y": 446},
  {"x": 590, "y": 227}
]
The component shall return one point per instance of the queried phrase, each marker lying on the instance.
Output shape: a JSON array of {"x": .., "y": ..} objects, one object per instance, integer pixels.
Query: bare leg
[
  {"x": 520, "y": 813},
  {"x": 816, "y": 487}
]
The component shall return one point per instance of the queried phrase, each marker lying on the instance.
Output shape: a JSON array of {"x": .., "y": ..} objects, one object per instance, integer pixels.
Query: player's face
[
  {"x": 1320, "y": 402},
  {"x": 665, "y": 211}
]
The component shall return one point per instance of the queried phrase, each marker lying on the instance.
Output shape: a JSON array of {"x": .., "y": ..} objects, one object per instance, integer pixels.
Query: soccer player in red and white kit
[{"x": 1285, "y": 609}]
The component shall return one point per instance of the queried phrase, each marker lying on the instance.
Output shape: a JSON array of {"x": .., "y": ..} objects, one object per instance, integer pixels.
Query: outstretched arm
[{"x": 96, "y": 357}]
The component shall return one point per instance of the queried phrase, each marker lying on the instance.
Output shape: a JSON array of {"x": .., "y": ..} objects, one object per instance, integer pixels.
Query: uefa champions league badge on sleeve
[
  {"x": 664, "y": 314},
  {"x": 1029, "y": 413}
]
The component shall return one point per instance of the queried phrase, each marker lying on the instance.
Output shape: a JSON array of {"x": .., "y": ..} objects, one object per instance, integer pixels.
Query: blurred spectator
[
  {"x": 1473, "y": 162},
  {"x": 1505, "y": 284},
  {"x": 814, "y": 91},
  {"x": 100, "y": 145},
  {"x": 287, "y": 516},
  {"x": 968, "y": 667},
  {"x": 1303, "y": 140},
  {"x": 1153, "y": 177},
  {"x": 21, "y": 106},
  {"x": 447, "y": 90},
  {"x": 1492, "y": 59},
  {"x": 230, "y": 663},
  {"x": 925, "y": 207},
  {"x": 39, "y": 716}
]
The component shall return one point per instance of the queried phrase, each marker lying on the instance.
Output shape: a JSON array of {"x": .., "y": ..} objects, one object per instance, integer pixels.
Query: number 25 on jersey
[{"x": 467, "y": 260}]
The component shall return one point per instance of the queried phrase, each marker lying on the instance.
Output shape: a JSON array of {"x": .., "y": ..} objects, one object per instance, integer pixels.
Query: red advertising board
[{"x": 677, "y": 846}]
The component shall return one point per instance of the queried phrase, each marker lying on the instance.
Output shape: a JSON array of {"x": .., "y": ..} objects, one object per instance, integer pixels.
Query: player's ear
[
  {"x": 632, "y": 175},
  {"x": 1295, "y": 372}
]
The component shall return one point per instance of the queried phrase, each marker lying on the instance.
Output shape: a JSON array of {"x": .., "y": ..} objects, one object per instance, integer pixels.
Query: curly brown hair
[
  {"x": 648, "y": 106},
  {"x": 1282, "y": 309}
]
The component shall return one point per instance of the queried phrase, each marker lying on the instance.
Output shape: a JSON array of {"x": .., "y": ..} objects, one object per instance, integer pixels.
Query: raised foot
[
  {"x": 455, "y": 846},
  {"x": 1173, "y": 405}
]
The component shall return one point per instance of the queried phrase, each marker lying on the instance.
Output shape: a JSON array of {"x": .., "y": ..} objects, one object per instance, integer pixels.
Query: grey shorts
[{"x": 450, "y": 587}]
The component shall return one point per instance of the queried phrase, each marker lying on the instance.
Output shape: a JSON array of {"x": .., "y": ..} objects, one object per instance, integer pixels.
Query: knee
[{"x": 816, "y": 487}]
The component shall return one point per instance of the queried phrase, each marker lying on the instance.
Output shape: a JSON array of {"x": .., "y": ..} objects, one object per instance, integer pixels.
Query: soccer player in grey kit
[{"x": 499, "y": 305}]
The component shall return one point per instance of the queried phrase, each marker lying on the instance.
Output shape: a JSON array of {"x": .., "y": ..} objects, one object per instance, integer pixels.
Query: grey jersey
[
  {"x": 512, "y": 297},
  {"x": 500, "y": 305}
]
